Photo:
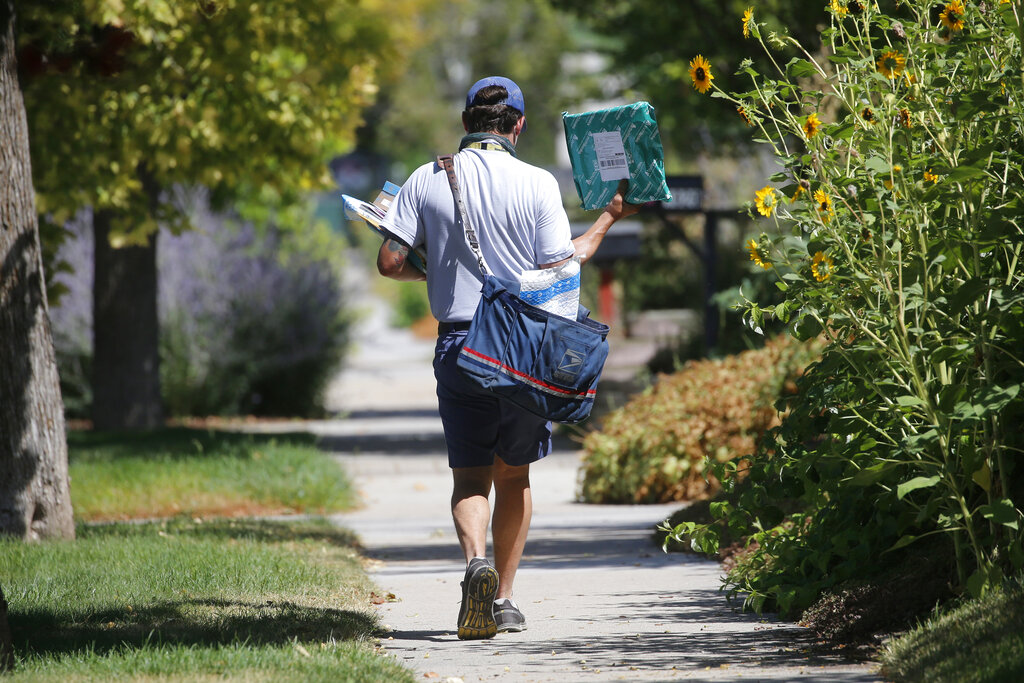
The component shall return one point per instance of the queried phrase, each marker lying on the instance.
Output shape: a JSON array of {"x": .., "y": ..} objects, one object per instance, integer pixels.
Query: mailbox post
[
  {"x": 624, "y": 243},
  {"x": 688, "y": 198}
]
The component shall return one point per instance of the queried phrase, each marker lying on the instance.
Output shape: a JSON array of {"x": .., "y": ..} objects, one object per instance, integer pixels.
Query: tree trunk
[
  {"x": 35, "y": 501},
  {"x": 6, "y": 648},
  {"x": 126, "y": 360}
]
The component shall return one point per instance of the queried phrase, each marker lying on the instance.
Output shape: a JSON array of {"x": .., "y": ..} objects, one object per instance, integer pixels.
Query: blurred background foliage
[
  {"x": 251, "y": 321},
  {"x": 255, "y": 103},
  {"x": 650, "y": 45}
]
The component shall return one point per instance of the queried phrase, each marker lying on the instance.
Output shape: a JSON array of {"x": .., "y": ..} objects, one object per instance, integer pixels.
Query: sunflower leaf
[{"x": 800, "y": 68}]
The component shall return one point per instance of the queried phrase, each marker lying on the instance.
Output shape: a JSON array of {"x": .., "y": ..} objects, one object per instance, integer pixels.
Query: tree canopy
[
  {"x": 417, "y": 114},
  {"x": 652, "y": 44},
  {"x": 127, "y": 95}
]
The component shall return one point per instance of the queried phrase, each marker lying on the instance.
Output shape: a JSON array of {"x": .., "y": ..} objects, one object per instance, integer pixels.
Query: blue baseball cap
[{"x": 515, "y": 95}]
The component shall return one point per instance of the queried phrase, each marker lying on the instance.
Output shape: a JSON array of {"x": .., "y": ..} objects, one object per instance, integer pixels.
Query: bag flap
[{"x": 493, "y": 286}]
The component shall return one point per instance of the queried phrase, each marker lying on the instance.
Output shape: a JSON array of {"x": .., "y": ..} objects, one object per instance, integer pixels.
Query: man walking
[{"x": 517, "y": 212}]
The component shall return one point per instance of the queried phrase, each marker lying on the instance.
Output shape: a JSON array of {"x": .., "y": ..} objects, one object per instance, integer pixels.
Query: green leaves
[
  {"x": 800, "y": 68},
  {"x": 236, "y": 99},
  {"x": 1001, "y": 511},
  {"x": 915, "y": 484},
  {"x": 913, "y": 193},
  {"x": 990, "y": 400}
]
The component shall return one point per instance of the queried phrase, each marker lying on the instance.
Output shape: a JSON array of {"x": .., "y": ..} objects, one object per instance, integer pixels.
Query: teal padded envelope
[{"x": 610, "y": 144}]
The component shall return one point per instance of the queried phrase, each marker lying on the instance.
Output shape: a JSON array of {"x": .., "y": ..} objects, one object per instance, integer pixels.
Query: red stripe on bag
[{"x": 540, "y": 384}]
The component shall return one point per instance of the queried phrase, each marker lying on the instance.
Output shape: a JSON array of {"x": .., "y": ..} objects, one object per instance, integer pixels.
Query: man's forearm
[
  {"x": 587, "y": 243},
  {"x": 409, "y": 273}
]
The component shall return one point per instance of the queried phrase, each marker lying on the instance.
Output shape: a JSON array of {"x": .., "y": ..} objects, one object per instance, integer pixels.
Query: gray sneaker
[
  {"x": 507, "y": 616},
  {"x": 476, "y": 616}
]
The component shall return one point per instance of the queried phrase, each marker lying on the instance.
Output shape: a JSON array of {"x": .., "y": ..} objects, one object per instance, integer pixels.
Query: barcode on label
[{"x": 611, "y": 155}]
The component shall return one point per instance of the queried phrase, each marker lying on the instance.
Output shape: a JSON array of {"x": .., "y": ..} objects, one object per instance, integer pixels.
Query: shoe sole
[
  {"x": 515, "y": 628},
  {"x": 476, "y": 618}
]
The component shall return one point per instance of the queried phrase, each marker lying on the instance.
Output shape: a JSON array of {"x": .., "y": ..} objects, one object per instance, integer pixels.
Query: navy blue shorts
[{"x": 477, "y": 424}]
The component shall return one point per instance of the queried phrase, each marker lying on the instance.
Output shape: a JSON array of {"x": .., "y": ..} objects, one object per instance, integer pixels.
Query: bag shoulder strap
[{"x": 445, "y": 161}]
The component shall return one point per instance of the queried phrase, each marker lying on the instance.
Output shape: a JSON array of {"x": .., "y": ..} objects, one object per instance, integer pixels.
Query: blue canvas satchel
[{"x": 541, "y": 361}]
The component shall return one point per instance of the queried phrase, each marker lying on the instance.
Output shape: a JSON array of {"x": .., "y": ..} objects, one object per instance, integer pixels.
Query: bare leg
[
  {"x": 471, "y": 509},
  {"x": 513, "y": 507}
]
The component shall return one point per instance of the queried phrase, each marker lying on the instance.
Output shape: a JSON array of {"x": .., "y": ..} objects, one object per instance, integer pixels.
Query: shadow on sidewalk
[
  {"x": 570, "y": 548},
  {"x": 686, "y": 644},
  {"x": 384, "y": 444},
  {"x": 700, "y": 633}
]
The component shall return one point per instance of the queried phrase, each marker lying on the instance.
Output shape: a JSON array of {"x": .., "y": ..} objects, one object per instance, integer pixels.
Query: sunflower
[
  {"x": 838, "y": 8},
  {"x": 821, "y": 266},
  {"x": 748, "y": 19},
  {"x": 888, "y": 181},
  {"x": 930, "y": 177},
  {"x": 952, "y": 17},
  {"x": 824, "y": 205},
  {"x": 891, "y": 63},
  {"x": 700, "y": 73},
  {"x": 867, "y": 115},
  {"x": 759, "y": 254},
  {"x": 811, "y": 125},
  {"x": 905, "y": 118},
  {"x": 765, "y": 200}
]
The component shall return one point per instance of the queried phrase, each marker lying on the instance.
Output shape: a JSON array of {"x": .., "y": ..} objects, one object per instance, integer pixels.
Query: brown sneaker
[{"x": 476, "y": 616}]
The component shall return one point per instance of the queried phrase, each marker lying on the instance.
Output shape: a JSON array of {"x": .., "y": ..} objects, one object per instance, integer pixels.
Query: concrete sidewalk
[{"x": 602, "y": 602}]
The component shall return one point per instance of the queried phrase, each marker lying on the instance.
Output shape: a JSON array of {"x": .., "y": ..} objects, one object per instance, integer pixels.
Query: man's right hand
[
  {"x": 587, "y": 243},
  {"x": 618, "y": 207}
]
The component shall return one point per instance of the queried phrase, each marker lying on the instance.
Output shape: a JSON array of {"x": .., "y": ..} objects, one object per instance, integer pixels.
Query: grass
[
  {"x": 202, "y": 473},
  {"x": 204, "y": 595},
  {"x": 981, "y": 640},
  {"x": 223, "y": 599}
]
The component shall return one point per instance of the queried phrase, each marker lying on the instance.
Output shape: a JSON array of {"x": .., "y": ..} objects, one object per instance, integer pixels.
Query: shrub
[
  {"x": 896, "y": 234},
  {"x": 250, "y": 321},
  {"x": 246, "y": 328},
  {"x": 973, "y": 642},
  {"x": 653, "y": 449},
  {"x": 412, "y": 304}
]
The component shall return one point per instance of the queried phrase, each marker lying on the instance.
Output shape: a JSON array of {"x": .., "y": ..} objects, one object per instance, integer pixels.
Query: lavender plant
[{"x": 248, "y": 323}]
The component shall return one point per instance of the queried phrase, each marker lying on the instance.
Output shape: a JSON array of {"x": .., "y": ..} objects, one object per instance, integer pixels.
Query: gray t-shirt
[{"x": 515, "y": 208}]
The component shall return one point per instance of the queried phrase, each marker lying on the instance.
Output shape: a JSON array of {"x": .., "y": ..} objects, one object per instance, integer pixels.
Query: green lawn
[
  {"x": 235, "y": 599},
  {"x": 980, "y": 641},
  {"x": 201, "y": 473},
  {"x": 205, "y": 595}
]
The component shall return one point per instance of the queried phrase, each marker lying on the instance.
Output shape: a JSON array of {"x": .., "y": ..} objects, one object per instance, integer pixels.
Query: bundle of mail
[{"x": 373, "y": 214}]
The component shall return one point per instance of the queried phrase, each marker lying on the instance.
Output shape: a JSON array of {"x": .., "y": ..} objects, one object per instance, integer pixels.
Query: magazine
[{"x": 373, "y": 213}]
